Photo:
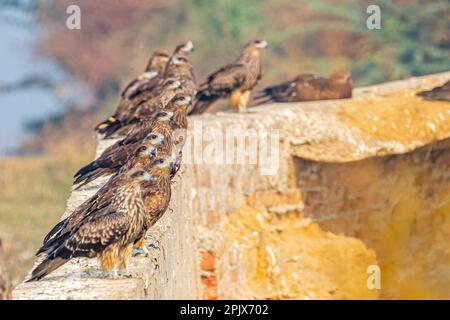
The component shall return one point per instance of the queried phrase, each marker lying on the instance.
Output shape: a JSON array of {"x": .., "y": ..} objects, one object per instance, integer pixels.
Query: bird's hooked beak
[
  {"x": 262, "y": 45},
  {"x": 187, "y": 101},
  {"x": 176, "y": 85},
  {"x": 172, "y": 164},
  {"x": 148, "y": 177},
  {"x": 151, "y": 152}
]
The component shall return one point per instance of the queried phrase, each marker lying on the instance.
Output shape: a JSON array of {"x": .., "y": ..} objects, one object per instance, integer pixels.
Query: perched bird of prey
[
  {"x": 143, "y": 87},
  {"x": 234, "y": 81},
  {"x": 167, "y": 122},
  {"x": 156, "y": 194},
  {"x": 309, "y": 87},
  {"x": 180, "y": 68},
  {"x": 179, "y": 107},
  {"x": 161, "y": 123},
  {"x": 116, "y": 155},
  {"x": 111, "y": 162},
  {"x": 107, "y": 233},
  {"x": 441, "y": 93},
  {"x": 149, "y": 79},
  {"x": 143, "y": 109},
  {"x": 159, "y": 66}
]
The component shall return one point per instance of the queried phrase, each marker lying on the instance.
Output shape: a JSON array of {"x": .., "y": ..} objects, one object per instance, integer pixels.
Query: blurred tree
[{"x": 413, "y": 39}]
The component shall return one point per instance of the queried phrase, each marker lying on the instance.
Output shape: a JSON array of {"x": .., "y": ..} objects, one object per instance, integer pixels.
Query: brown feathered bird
[
  {"x": 440, "y": 93},
  {"x": 117, "y": 154},
  {"x": 127, "y": 156},
  {"x": 309, "y": 87},
  {"x": 143, "y": 109},
  {"x": 181, "y": 69},
  {"x": 149, "y": 79},
  {"x": 234, "y": 81},
  {"x": 156, "y": 195},
  {"x": 179, "y": 108},
  {"x": 143, "y": 87},
  {"x": 156, "y": 69},
  {"x": 170, "y": 120},
  {"x": 107, "y": 233}
]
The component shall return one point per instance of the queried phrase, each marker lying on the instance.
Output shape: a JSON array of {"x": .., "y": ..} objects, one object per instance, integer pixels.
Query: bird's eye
[
  {"x": 153, "y": 136},
  {"x": 161, "y": 160},
  {"x": 142, "y": 149}
]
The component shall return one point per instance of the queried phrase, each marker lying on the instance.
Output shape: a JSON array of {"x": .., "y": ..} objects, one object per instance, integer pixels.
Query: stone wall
[{"x": 357, "y": 184}]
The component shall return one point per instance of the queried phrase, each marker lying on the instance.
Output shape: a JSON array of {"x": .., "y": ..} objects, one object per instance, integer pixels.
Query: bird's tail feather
[
  {"x": 45, "y": 267},
  {"x": 111, "y": 129},
  {"x": 86, "y": 169},
  {"x": 56, "y": 229},
  {"x": 203, "y": 101},
  {"x": 263, "y": 96},
  {"x": 102, "y": 126},
  {"x": 88, "y": 177}
]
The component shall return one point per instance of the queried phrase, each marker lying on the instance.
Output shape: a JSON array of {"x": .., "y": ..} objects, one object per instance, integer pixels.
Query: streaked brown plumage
[
  {"x": 234, "y": 81},
  {"x": 108, "y": 232},
  {"x": 169, "y": 121},
  {"x": 141, "y": 88},
  {"x": 179, "y": 107},
  {"x": 162, "y": 123},
  {"x": 309, "y": 87},
  {"x": 143, "y": 109},
  {"x": 440, "y": 93},
  {"x": 156, "y": 194},
  {"x": 153, "y": 73},
  {"x": 124, "y": 158},
  {"x": 116, "y": 155},
  {"x": 180, "y": 68}
]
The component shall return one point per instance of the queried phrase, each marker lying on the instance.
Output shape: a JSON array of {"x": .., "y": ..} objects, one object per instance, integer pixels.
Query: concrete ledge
[{"x": 193, "y": 260}]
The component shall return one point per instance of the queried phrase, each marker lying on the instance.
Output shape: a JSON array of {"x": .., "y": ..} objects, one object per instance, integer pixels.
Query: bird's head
[
  {"x": 258, "y": 44},
  {"x": 146, "y": 149},
  {"x": 155, "y": 138},
  {"x": 342, "y": 77},
  {"x": 163, "y": 165},
  {"x": 179, "y": 60},
  {"x": 181, "y": 100},
  {"x": 139, "y": 175},
  {"x": 171, "y": 84},
  {"x": 185, "y": 47},
  {"x": 164, "y": 116},
  {"x": 158, "y": 61}
]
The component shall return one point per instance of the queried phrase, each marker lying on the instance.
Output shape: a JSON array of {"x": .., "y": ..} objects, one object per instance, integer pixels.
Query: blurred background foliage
[{"x": 117, "y": 37}]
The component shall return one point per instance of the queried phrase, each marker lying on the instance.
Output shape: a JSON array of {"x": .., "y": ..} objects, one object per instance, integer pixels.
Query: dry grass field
[{"x": 33, "y": 194}]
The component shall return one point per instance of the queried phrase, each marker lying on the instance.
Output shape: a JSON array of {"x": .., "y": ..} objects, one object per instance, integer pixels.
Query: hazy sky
[{"x": 16, "y": 62}]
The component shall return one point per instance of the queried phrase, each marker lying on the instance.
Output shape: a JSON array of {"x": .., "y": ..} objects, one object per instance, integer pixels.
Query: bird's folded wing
[
  {"x": 228, "y": 78},
  {"x": 99, "y": 231}
]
